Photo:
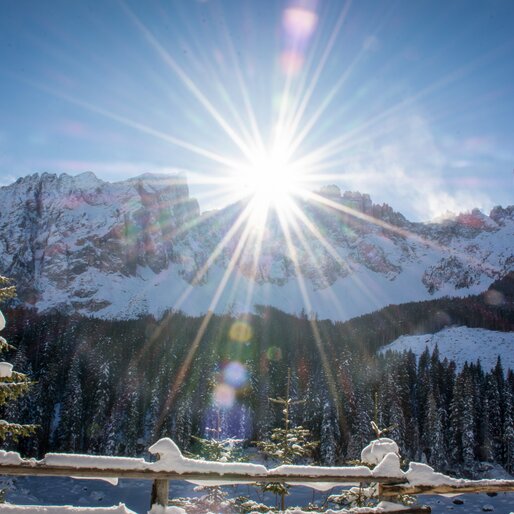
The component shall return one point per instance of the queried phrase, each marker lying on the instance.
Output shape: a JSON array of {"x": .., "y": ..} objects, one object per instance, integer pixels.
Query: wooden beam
[
  {"x": 42, "y": 469},
  {"x": 412, "y": 509},
  {"x": 416, "y": 509},
  {"x": 472, "y": 487}
]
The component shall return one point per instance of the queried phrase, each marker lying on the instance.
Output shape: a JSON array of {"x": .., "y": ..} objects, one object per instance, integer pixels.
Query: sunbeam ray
[
  {"x": 259, "y": 237},
  {"x": 298, "y": 111},
  {"x": 131, "y": 123},
  {"x": 215, "y": 254},
  {"x": 189, "y": 83},
  {"x": 333, "y": 147},
  {"x": 205, "y": 322},
  {"x": 296, "y": 211},
  {"x": 243, "y": 88},
  {"x": 327, "y": 368}
]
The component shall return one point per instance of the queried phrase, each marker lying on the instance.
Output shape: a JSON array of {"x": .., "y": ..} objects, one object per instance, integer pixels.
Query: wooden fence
[{"x": 389, "y": 488}]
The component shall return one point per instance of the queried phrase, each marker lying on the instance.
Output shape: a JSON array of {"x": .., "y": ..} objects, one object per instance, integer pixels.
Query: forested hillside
[
  {"x": 116, "y": 386},
  {"x": 493, "y": 309}
]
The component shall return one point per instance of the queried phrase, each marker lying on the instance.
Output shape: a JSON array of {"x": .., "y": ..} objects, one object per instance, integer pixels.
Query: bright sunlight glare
[{"x": 270, "y": 178}]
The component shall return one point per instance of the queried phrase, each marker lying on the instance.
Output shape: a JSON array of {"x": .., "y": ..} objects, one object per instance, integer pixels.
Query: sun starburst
[
  {"x": 267, "y": 164},
  {"x": 265, "y": 178}
]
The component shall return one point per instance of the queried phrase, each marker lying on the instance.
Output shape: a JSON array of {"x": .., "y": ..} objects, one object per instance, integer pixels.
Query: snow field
[{"x": 462, "y": 344}]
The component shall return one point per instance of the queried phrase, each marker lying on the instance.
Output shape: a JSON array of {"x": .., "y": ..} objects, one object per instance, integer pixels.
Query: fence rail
[
  {"x": 390, "y": 484},
  {"x": 474, "y": 486},
  {"x": 148, "y": 474},
  {"x": 161, "y": 479}
]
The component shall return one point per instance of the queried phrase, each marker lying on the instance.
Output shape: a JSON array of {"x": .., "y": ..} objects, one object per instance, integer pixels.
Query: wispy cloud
[{"x": 412, "y": 170}]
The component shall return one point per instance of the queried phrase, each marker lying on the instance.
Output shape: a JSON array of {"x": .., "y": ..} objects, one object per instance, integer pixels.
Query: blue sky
[{"x": 414, "y": 99}]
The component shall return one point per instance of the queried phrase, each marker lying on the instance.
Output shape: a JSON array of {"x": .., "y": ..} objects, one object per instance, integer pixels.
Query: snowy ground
[
  {"x": 462, "y": 344},
  {"x": 136, "y": 495}
]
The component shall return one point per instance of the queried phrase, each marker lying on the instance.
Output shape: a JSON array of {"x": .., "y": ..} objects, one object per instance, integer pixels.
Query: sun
[{"x": 270, "y": 178}]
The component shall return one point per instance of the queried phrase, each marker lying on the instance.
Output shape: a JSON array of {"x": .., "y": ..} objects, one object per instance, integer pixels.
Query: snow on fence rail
[{"x": 383, "y": 453}]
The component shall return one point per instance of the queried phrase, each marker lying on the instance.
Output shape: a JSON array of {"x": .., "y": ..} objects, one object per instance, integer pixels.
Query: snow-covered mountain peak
[
  {"x": 158, "y": 180},
  {"x": 500, "y": 215},
  {"x": 141, "y": 245},
  {"x": 474, "y": 219}
]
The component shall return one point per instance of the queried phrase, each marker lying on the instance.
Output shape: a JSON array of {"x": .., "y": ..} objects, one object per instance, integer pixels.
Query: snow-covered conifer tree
[
  {"x": 433, "y": 434},
  {"x": 101, "y": 408},
  {"x": 71, "y": 426},
  {"x": 182, "y": 422},
  {"x": 133, "y": 419},
  {"x": 12, "y": 383},
  {"x": 455, "y": 427},
  {"x": 468, "y": 423},
  {"x": 508, "y": 432},
  {"x": 362, "y": 416},
  {"x": 287, "y": 444},
  {"x": 393, "y": 406},
  {"x": 330, "y": 434},
  {"x": 494, "y": 418},
  {"x": 152, "y": 432}
]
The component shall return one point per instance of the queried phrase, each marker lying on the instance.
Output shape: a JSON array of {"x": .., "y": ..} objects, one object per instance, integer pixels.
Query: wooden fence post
[{"x": 160, "y": 491}]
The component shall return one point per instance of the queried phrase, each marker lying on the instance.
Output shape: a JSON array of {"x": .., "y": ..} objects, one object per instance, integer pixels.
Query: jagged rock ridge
[{"x": 142, "y": 245}]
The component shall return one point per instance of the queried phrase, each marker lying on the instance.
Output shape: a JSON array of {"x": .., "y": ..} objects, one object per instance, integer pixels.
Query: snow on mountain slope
[
  {"x": 462, "y": 344},
  {"x": 79, "y": 244}
]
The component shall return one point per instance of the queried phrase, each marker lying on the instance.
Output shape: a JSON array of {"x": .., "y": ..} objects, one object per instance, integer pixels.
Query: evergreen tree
[
  {"x": 433, "y": 435},
  {"x": 100, "y": 412},
  {"x": 12, "y": 383},
  {"x": 26, "y": 408},
  {"x": 71, "y": 426},
  {"x": 112, "y": 430},
  {"x": 182, "y": 423},
  {"x": 154, "y": 409},
  {"x": 362, "y": 415},
  {"x": 411, "y": 413},
  {"x": 330, "y": 434},
  {"x": 133, "y": 420},
  {"x": 508, "y": 432},
  {"x": 485, "y": 451},
  {"x": 393, "y": 412},
  {"x": 493, "y": 418},
  {"x": 468, "y": 423},
  {"x": 455, "y": 426},
  {"x": 423, "y": 388},
  {"x": 287, "y": 444}
]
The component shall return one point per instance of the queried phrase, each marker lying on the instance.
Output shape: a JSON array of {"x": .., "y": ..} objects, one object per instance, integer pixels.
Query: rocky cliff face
[
  {"x": 141, "y": 245},
  {"x": 58, "y": 231}
]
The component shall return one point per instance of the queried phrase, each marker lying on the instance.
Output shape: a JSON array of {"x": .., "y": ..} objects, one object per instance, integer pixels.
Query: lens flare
[
  {"x": 299, "y": 22},
  {"x": 240, "y": 332},
  {"x": 493, "y": 297},
  {"x": 274, "y": 353},
  {"x": 291, "y": 61},
  {"x": 235, "y": 374},
  {"x": 224, "y": 396}
]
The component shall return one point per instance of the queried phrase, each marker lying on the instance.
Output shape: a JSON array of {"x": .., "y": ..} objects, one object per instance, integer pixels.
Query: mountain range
[{"x": 119, "y": 250}]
